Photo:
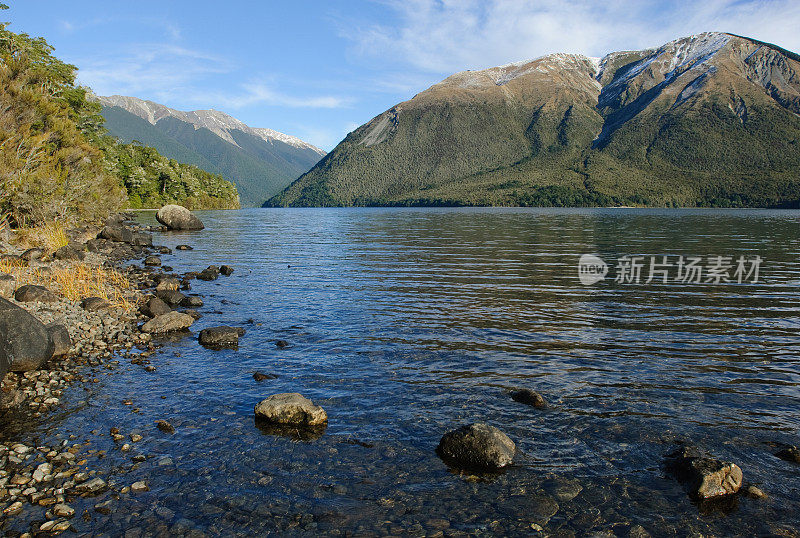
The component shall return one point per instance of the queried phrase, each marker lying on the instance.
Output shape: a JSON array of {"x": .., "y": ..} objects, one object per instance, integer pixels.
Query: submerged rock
[
  {"x": 25, "y": 343},
  {"x": 291, "y": 409},
  {"x": 477, "y": 446},
  {"x": 529, "y": 397},
  {"x": 226, "y": 270},
  {"x": 220, "y": 336},
  {"x": 61, "y": 340},
  {"x": 32, "y": 292},
  {"x": 177, "y": 217},
  {"x": 258, "y": 376},
  {"x": 169, "y": 322},
  {"x": 789, "y": 453},
  {"x": 704, "y": 476},
  {"x": 152, "y": 261},
  {"x": 165, "y": 426}
]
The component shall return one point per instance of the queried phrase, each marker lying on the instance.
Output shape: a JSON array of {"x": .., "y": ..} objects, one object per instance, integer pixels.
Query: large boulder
[
  {"x": 171, "y": 297},
  {"x": 169, "y": 322},
  {"x": 209, "y": 273},
  {"x": 177, "y": 217},
  {"x": 61, "y": 340},
  {"x": 218, "y": 337},
  {"x": 477, "y": 446},
  {"x": 24, "y": 340},
  {"x": 704, "y": 477},
  {"x": 31, "y": 292},
  {"x": 291, "y": 409}
]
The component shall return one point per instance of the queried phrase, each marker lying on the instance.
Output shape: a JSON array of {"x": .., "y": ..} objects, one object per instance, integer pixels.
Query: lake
[{"x": 406, "y": 323}]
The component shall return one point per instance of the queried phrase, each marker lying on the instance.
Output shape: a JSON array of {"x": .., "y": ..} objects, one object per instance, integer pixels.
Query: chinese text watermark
[{"x": 671, "y": 269}]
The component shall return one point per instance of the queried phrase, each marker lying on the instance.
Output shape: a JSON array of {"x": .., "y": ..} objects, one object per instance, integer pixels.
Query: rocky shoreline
[{"x": 87, "y": 337}]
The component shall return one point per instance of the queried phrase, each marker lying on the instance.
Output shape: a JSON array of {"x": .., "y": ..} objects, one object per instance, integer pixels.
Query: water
[{"x": 405, "y": 323}]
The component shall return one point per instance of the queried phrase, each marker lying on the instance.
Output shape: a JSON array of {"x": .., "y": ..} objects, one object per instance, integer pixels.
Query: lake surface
[{"x": 406, "y": 323}]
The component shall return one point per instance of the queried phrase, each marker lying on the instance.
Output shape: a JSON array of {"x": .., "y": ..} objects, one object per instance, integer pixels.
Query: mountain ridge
[
  {"x": 697, "y": 121},
  {"x": 260, "y": 161}
]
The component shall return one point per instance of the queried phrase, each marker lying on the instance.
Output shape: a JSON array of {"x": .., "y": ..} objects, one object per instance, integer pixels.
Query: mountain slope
[
  {"x": 712, "y": 119},
  {"x": 260, "y": 161}
]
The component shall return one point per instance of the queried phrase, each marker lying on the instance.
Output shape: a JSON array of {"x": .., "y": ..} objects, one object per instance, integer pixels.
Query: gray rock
[
  {"x": 95, "y": 304},
  {"x": 25, "y": 343},
  {"x": 92, "y": 487},
  {"x": 34, "y": 253},
  {"x": 562, "y": 488},
  {"x": 177, "y": 217},
  {"x": 7, "y": 285},
  {"x": 152, "y": 261},
  {"x": 192, "y": 302},
  {"x": 220, "y": 336},
  {"x": 168, "y": 284},
  {"x": 194, "y": 313},
  {"x": 171, "y": 297},
  {"x": 477, "y": 446},
  {"x": 225, "y": 270},
  {"x": 154, "y": 307},
  {"x": 60, "y": 337},
  {"x": 32, "y": 292},
  {"x": 68, "y": 252},
  {"x": 705, "y": 477},
  {"x": 528, "y": 397},
  {"x": 169, "y": 322},
  {"x": 291, "y": 409},
  {"x": 122, "y": 234}
]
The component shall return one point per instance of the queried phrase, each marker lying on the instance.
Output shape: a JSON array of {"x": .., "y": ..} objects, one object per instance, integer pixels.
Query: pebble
[{"x": 138, "y": 487}]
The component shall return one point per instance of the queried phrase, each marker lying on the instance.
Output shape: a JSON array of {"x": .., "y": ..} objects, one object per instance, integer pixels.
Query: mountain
[
  {"x": 261, "y": 162},
  {"x": 706, "y": 120}
]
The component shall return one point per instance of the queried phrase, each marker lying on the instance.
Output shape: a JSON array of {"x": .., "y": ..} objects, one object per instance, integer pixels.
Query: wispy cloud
[
  {"x": 263, "y": 93},
  {"x": 444, "y": 36}
]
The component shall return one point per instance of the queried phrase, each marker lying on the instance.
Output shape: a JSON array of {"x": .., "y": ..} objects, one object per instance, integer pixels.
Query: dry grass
[
  {"x": 50, "y": 237},
  {"x": 77, "y": 281}
]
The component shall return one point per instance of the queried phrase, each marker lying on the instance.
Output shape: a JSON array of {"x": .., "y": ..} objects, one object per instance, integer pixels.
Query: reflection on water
[{"x": 404, "y": 323}]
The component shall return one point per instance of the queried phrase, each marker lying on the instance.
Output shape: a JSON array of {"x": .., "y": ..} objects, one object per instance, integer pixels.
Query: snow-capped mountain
[
  {"x": 709, "y": 119},
  {"x": 260, "y": 161}
]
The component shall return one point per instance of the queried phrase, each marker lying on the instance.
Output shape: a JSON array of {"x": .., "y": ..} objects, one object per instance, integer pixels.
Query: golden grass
[
  {"x": 50, "y": 237},
  {"x": 77, "y": 281}
]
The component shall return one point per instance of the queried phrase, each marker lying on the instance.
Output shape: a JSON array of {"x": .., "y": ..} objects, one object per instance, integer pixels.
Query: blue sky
[{"x": 318, "y": 69}]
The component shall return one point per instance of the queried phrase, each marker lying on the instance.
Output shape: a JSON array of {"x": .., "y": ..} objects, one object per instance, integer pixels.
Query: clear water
[{"x": 405, "y": 323}]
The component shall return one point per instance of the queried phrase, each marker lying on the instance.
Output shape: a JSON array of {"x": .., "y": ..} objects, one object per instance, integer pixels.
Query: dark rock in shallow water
[
  {"x": 152, "y": 261},
  {"x": 705, "y": 477},
  {"x": 209, "y": 273},
  {"x": 184, "y": 247},
  {"x": 290, "y": 409},
  {"x": 220, "y": 336},
  {"x": 154, "y": 307},
  {"x": 121, "y": 234},
  {"x": 94, "y": 304},
  {"x": 192, "y": 302},
  {"x": 169, "y": 322},
  {"x": 177, "y": 217},
  {"x": 226, "y": 270},
  {"x": 32, "y": 292},
  {"x": 25, "y": 341},
  {"x": 165, "y": 426},
  {"x": 165, "y": 250},
  {"x": 529, "y": 397},
  {"x": 61, "y": 340},
  {"x": 477, "y": 446},
  {"x": 790, "y": 453},
  {"x": 258, "y": 376},
  {"x": 7, "y": 285},
  {"x": 171, "y": 297},
  {"x": 69, "y": 253},
  {"x": 194, "y": 313},
  {"x": 282, "y": 343}
]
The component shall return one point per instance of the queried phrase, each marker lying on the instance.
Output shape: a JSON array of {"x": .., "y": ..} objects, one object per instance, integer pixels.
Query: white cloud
[
  {"x": 325, "y": 138},
  {"x": 444, "y": 36}
]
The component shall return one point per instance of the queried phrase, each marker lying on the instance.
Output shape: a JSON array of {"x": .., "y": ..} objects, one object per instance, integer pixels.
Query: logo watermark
[{"x": 671, "y": 269}]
